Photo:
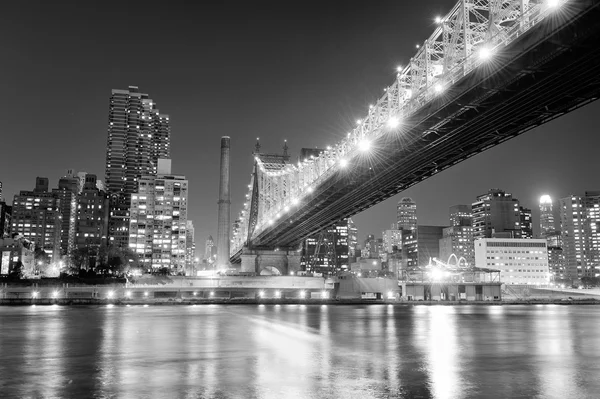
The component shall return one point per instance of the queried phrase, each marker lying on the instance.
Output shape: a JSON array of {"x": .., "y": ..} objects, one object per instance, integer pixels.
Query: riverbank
[{"x": 250, "y": 301}]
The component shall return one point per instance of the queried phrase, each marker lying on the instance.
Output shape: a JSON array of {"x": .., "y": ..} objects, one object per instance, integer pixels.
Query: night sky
[{"x": 297, "y": 70}]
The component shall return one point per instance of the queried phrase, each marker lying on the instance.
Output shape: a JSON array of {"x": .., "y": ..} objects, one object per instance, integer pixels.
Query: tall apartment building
[
  {"x": 138, "y": 135},
  {"x": 392, "y": 240},
  {"x": 519, "y": 261},
  {"x": 548, "y": 231},
  {"x": 329, "y": 252},
  {"x": 190, "y": 244},
  {"x": 157, "y": 230},
  {"x": 406, "y": 214},
  {"x": 547, "y": 225},
  {"x": 495, "y": 213},
  {"x": 92, "y": 219},
  {"x": 580, "y": 227},
  {"x": 68, "y": 188},
  {"x": 36, "y": 215}
]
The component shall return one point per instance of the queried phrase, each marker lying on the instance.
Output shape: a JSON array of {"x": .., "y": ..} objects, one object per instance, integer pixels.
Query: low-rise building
[{"x": 520, "y": 261}]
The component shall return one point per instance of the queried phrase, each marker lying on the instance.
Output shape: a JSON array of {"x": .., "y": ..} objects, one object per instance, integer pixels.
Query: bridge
[{"x": 491, "y": 70}]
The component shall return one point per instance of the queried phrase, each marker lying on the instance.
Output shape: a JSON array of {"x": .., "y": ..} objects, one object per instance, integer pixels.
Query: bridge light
[
  {"x": 364, "y": 145},
  {"x": 399, "y": 68},
  {"x": 270, "y": 221},
  {"x": 393, "y": 122},
  {"x": 287, "y": 208},
  {"x": 438, "y": 20},
  {"x": 358, "y": 122},
  {"x": 553, "y": 3},
  {"x": 485, "y": 53},
  {"x": 310, "y": 189},
  {"x": 343, "y": 162},
  {"x": 295, "y": 201},
  {"x": 438, "y": 88}
]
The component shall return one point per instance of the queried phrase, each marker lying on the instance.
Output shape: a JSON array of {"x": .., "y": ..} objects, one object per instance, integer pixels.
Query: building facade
[
  {"x": 547, "y": 225},
  {"x": 68, "y": 188},
  {"x": 92, "y": 220},
  {"x": 406, "y": 214},
  {"x": 526, "y": 222},
  {"x": 36, "y": 215},
  {"x": 190, "y": 245},
  {"x": 5, "y": 219},
  {"x": 328, "y": 253},
  {"x": 138, "y": 135},
  {"x": 157, "y": 230},
  {"x": 420, "y": 245},
  {"x": 519, "y": 261},
  {"x": 496, "y": 212},
  {"x": 580, "y": 231}
]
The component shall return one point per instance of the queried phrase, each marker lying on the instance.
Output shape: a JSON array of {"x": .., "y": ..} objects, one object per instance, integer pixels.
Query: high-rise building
[
  {"x": 352, "y": 239},
  {"x": 209, "y": 250},
  {"x": 369, "y": 249},
  {"x": 580, "y": 227},
  {"x": 36, "y": 215},
  {"x": 92, "y": 219},
  {"x": 407, "y": 214},
  {"x": 157, "y": 231},
  {"x": 190, "y": 244},
  {"x": 138, "y": 135},
  {"x": 392, "y": 239},
  {"x": 68, "y": 188},
  {"x": 461, "y": 215},
  {"x": 547, "y": 225},
  {"x": 328, "y": 252},
  {"x": 5, "y": 218},
  {"x": 420, "y": 245},
  {"x": 526, "y": 222},
  {"x": 1, "y": 197},
  {"x": 458, "y": 238},
  {"x": 519, "y": 261},
  {"x": 496, "y": 213}
]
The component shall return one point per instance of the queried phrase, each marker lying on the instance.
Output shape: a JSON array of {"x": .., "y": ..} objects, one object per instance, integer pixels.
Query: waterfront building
[
  {"x": 392, "y": 239},
  {"x": 138, "y": 135},
  {"x": 18, "y": 252},
  {"x": 496, "y": 213},
  {"x": 36, "y": 215},
  {"x": 92, "y": 219},
  {"x": 407, "y": 214},
  {"x": 556, "y": 262},
  {"x": 519, "y": 261},
  {"x": 458, "y": 238},
  {"x": 5, "y": 218},
  {"x": 580, "y": 227},
  {"x": 420, "y": 245},
  {"x": 157, "y": 230},
  {"x": 68, "y": 188}
]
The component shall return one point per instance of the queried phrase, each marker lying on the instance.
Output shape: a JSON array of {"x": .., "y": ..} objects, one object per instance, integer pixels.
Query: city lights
[
  {"x": 261, "y": 294},
  {"x": 212, "y": 293},
  {"x": 110, "y": 294},
  {"x": 128, "y": 294},
  {"x": 277, "y": 294},
  {"x": 324, "y": 294},
  {"x": 34, "y": 294},
  {"x": 302, "y": 294},
  {"x": 295, "y": 201},
  {"x": 146, "y": 293},
  {"x": 194, "y": 293},
  {"x": 55, "y": 294}
]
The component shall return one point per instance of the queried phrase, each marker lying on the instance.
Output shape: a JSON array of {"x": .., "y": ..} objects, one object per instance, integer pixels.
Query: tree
[{"x": 116, "y": 260}]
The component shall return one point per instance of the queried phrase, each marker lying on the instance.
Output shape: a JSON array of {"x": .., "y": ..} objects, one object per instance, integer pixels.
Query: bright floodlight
[
  {"x": 545, "y": 199},
  {"x": 364, "y": 145},
  {"x": 438, "y": 20},
  {"x": 277, "y": 294},
  {"x": 302, "y": 294},
  {"x": 55, "y": 294},
  {"x": 553, "y": 3},
  {"x": 399, "y": 68},
  {"x": 195, "y": 293},
  {"x": 343, "y": 162},
  {"x": 212, "y": 293},
  {"x": 485, "y": 53},
  {"x": 324, "y": 294},
  {"x": 146, "y": 293},
  {"x": 393, "y": 122},
  {"x": 34, "y": 294},
  {"x": 110, "y": 294},
  {"x": 261, "y": 294},
  {"x": 438, "y": 88}
]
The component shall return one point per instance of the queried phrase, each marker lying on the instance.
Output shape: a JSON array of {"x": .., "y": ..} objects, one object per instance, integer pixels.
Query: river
[{"x": 300, "y": 351}]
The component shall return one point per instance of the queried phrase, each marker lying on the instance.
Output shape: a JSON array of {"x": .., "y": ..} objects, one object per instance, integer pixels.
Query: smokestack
[{"x": 223, "y": 235}]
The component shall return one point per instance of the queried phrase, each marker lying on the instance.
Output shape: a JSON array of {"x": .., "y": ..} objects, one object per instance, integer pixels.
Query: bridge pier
[{"x": 267, "y": 261}]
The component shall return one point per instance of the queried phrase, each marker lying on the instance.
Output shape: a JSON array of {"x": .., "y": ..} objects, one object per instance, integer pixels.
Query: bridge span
[{"x": 492, "y": 70}]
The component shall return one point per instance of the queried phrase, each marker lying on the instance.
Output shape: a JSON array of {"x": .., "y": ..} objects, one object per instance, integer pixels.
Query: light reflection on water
[{"x": 300, "y": 351}]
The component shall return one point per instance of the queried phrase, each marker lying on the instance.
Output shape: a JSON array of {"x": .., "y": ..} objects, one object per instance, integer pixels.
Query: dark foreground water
[{"x": 297, "y": 351}]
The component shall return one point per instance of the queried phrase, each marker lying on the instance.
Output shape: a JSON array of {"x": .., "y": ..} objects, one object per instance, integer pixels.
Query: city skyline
[{"x": 343, "y": 83}]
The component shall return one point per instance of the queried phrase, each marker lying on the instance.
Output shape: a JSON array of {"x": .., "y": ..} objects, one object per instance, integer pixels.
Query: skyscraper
[
  {"x": 546, "y": 216},
  {"x": 68, "y": 188},
  {"x": 496, "y": 213},
  {"x": 157, "y": 231},
  {"x": 329, "y": 252},
  {"x": 526, "y": 222},
  {"x": 138, "y": 135},
  {"x": 190, "y": 244},
  {"x": 580, "y": 226},
  {"x": 209, "y": 250},
  {"x": 407, "y": 214}
]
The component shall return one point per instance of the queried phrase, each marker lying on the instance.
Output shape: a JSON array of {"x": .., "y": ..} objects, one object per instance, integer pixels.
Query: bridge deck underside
[{"x": 544, "y": 74}]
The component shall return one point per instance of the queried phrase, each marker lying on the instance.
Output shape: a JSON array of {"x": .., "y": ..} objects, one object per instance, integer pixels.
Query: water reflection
[{"x": 300, "y": 351}]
